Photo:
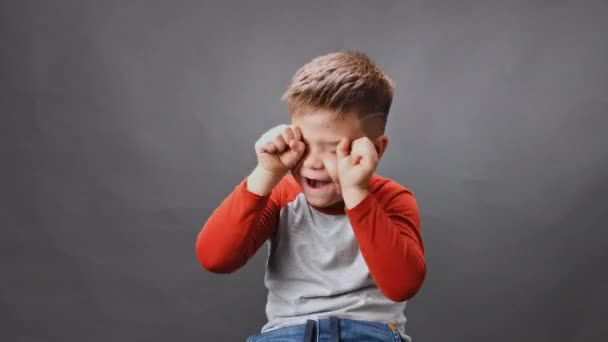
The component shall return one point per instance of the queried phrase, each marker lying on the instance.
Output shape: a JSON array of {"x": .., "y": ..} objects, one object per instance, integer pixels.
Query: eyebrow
[
  {"x": 324, "y": 143},
  {"x": 332, "y": 143}
]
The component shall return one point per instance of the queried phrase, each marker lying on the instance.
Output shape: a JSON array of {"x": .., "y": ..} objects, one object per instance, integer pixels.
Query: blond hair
[{"x": 341, "y": 82}]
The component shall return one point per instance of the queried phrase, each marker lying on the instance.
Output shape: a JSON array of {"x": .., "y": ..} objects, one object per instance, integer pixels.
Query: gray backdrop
[{"x": 124, "y": 123}]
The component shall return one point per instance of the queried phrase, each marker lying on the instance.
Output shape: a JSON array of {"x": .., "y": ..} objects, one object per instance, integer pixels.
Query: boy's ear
[{"x": 381, "y": 144}]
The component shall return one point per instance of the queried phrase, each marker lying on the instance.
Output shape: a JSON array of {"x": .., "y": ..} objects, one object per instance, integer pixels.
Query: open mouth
[{"x": 315, "y": 183}]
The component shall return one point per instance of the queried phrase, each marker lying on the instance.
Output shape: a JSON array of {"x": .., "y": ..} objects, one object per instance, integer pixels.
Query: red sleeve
[
  {"x": 237, "y": 229},
  {"x": 386, "y": 225}
]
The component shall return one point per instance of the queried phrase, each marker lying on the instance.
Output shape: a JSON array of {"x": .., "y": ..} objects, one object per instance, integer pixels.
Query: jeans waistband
[{"x": 311, "y": 328}]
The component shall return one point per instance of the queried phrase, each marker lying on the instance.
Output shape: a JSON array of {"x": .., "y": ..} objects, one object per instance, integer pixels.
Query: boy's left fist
[{"x": 356, "y": 162}]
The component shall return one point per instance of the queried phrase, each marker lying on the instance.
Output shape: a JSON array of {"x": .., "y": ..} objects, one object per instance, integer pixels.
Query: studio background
[{"x": 125, "y": 123}]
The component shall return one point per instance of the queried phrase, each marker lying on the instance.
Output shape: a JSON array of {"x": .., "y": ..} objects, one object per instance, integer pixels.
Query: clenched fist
[
  {"x": 356, "y": 163},
  {"x": 279, "y": 149}
]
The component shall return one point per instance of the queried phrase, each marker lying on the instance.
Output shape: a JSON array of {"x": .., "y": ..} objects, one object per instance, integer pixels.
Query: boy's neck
[{"x": 334, "y": 209}]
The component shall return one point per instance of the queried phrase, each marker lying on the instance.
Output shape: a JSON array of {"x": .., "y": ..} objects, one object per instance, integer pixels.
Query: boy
[{"x": 345, "y": 248}]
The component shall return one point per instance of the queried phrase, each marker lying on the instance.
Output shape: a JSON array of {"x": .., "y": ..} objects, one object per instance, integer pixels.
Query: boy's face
[{"x": 317, "y": 170}]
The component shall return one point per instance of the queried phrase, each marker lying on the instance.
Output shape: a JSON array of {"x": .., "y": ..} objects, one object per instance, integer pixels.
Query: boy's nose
[{"x": 312, "y": 162}]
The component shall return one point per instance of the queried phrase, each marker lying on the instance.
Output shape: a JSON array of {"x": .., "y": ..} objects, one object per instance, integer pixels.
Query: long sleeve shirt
[{"x": 359, "y": 263}]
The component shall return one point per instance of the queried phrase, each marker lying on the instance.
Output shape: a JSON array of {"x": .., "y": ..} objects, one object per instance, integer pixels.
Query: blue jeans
[{"x": 331, "y": 329}]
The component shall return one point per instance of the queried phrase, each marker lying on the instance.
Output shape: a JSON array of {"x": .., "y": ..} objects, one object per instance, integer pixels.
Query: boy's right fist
[{"x": 279, "y": 149}]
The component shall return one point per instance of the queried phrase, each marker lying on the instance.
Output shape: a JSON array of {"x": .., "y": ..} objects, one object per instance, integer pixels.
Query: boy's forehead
[{"x": 325, "y": 128}]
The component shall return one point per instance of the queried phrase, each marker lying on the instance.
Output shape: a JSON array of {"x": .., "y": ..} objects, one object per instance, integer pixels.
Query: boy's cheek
[
  {"x": 331, "y": 165},
  {"x": 295, "y": 171}
]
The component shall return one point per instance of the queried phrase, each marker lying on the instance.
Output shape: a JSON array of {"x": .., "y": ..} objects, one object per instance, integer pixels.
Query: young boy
[{"x": 345, "y": 248}]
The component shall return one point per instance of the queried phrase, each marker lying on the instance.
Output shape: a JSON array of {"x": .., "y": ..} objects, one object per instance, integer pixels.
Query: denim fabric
[{"x": 349, "y": 331}]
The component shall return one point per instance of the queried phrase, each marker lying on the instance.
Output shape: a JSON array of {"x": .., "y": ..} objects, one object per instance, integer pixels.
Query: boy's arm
[
  {"x": 240, "y": 225},
  {"x": 386, "y": 225}
]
